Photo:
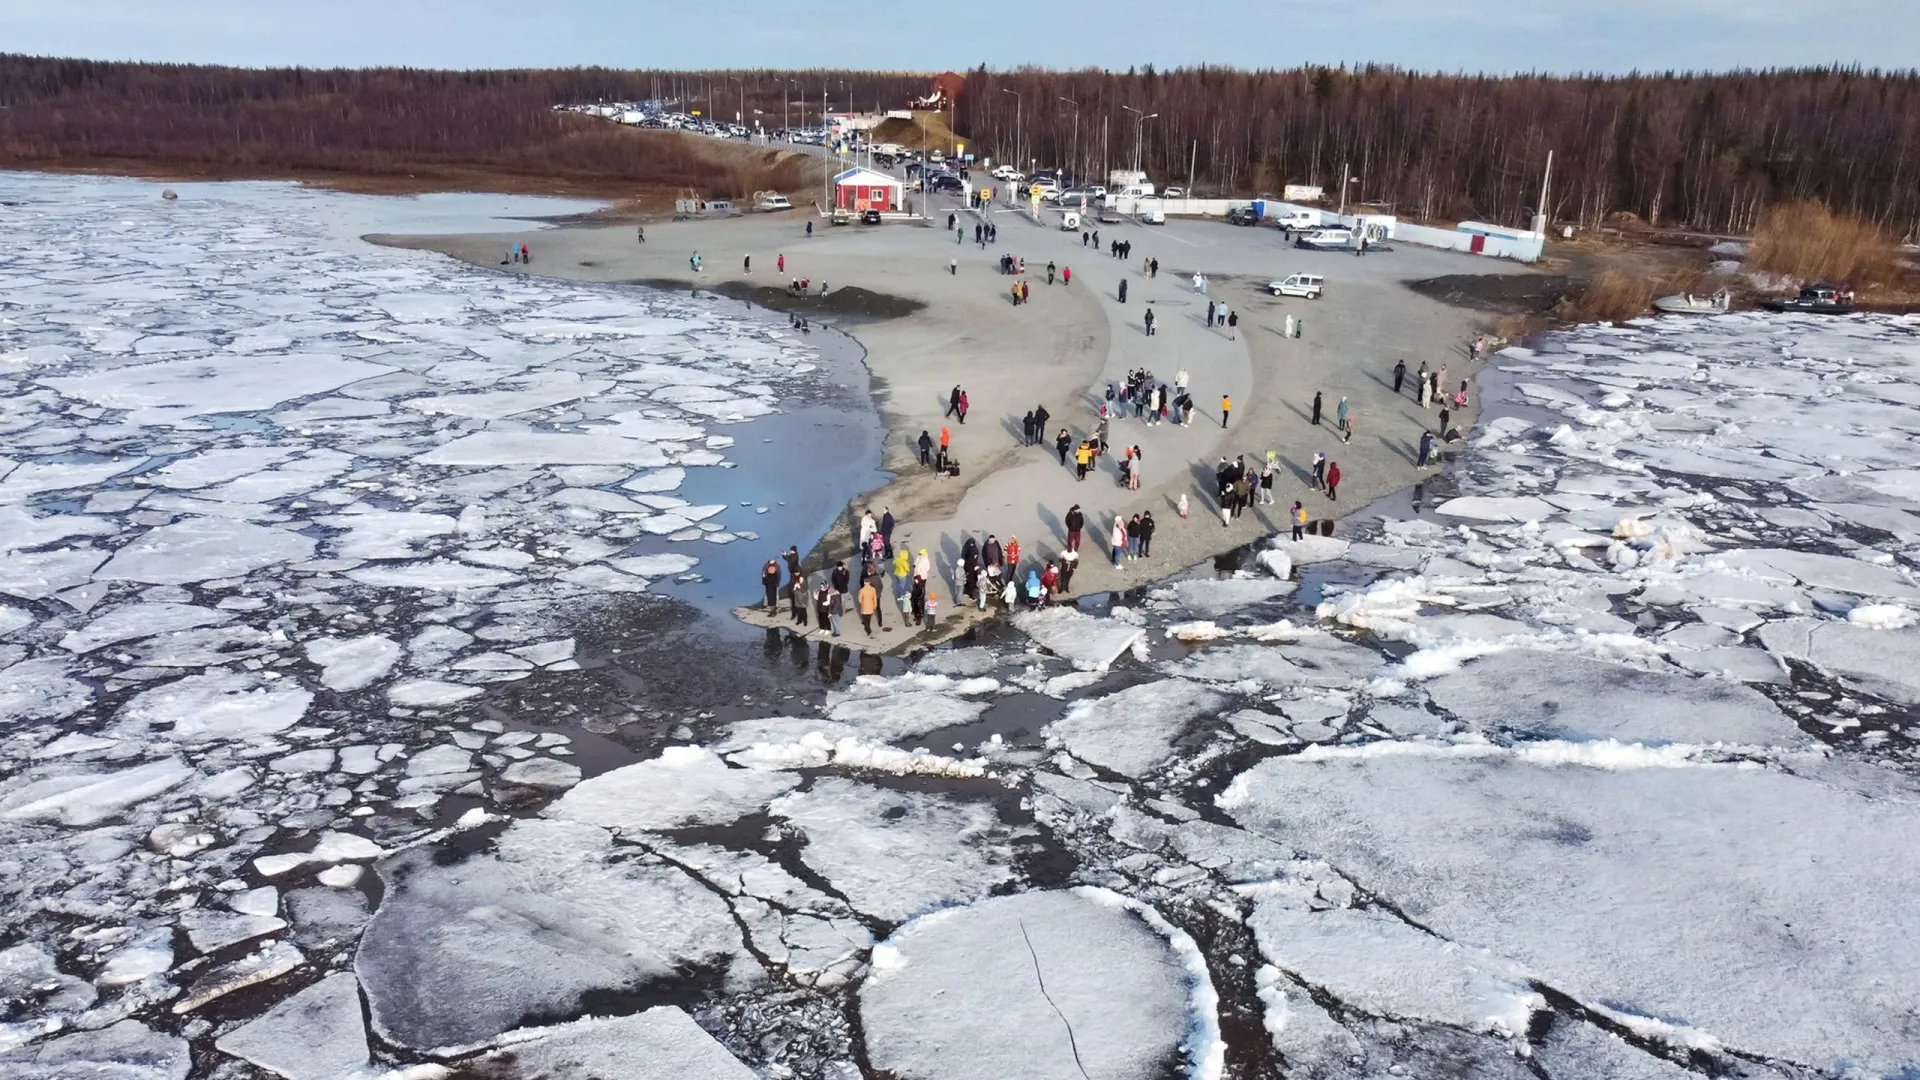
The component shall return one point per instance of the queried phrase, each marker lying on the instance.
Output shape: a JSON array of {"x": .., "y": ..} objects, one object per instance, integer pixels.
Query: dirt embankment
[{"x": 851, "y": 301}]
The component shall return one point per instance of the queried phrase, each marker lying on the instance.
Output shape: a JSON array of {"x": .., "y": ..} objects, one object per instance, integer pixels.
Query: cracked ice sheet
[
  {"x": 895, "y": 854},
  {"x": 664, "y": 1037},
  {"x": 1678, "y": 893},
  {"x": 1132, "y": 732},
  {"x": 457, "y": 954},
  {"x": 1038, "y": 984},
  {"x": 684, "y": 786},
  {"x": 1372, "y": 961}
]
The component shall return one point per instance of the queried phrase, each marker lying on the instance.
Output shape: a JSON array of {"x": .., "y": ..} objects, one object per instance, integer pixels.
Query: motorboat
[
  {"x": 1816, "y": 299},
  {"x": 1691, "y": 304}
]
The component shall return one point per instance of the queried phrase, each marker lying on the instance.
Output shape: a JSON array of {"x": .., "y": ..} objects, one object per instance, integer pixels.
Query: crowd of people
[{"x": 988, "y": 573}]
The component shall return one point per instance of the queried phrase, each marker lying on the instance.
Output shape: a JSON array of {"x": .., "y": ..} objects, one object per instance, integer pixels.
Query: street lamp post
[
  {"x": 1017, "y": 103},
  {"x": 1076, "y": 138},
  {"x": 1139, "y": 132}
]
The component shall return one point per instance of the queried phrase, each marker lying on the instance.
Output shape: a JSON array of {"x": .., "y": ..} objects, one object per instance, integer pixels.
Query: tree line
[
  {"x": 1704, "y": 151},
  {"x": 79, "y": 113}
]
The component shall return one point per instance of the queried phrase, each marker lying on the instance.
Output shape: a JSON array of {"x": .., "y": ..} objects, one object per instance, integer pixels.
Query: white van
[
  {"x": 1295, "y": 219},
  {"x": 773, "y": 203},
  {"x": 1306, "y": 286}
]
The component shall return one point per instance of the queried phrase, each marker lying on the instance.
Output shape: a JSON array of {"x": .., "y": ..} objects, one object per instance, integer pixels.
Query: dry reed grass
[{"x": 1805, "y": 240}]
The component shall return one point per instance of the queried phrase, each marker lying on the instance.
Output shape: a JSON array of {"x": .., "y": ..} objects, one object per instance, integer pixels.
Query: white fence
[{"x": 1521, "y": 248}]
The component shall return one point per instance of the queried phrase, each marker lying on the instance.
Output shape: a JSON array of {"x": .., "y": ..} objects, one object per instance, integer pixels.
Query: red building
[{"x": 861, "y": 188}]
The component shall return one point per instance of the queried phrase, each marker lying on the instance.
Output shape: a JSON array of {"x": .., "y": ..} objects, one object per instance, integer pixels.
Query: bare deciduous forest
[
  {"x": 218, "y": 121},
  {"x": 1707, "y": 152}
]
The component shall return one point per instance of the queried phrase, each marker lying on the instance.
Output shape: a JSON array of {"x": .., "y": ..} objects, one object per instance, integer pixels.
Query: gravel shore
[{"x": 1060, "y": 350}]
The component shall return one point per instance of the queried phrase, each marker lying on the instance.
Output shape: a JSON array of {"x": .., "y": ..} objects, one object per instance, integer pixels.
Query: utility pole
[
  {"x": 1546, "y": 178},
  {"x": 1017, "y": 103},
  {"x": 1343, "y": 189},
  {"x": 1106, "y": 163},
  {"x": 1193, "y": 159},
  {"x": 1076, "y": 138},
  {"x": 1139, "y": 133}
]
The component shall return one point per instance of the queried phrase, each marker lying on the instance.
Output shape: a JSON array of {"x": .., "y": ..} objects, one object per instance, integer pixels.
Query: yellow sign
[
  {"x": 696, "y": 112},
  {"x": 959, "y": 148}
]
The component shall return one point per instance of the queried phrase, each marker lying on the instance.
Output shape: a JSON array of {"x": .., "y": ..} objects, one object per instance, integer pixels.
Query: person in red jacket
[{"x": 1333, "y": 480}]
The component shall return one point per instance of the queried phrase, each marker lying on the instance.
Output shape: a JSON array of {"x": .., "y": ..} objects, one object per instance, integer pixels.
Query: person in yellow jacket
[
  {"x": 1226, "y": 407},
  {"x": 869, "y": 605},
  {"x": 1299, "y": 516},
  {"x": 1082, "y": 459}
]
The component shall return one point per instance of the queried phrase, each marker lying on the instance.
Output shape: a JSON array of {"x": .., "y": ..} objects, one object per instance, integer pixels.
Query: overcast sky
[{"x": 1449, "y": 35}]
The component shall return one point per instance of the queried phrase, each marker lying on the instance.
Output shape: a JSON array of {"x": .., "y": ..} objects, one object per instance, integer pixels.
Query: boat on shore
[
  {"x": 1816, "y": 299},
  {"x": 1691, "y": 304}
]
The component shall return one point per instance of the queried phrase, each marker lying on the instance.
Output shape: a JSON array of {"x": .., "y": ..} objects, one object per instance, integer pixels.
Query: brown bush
[
  {"x": 1613, "y": 295},
  {"x": 1806, "y": 240}
]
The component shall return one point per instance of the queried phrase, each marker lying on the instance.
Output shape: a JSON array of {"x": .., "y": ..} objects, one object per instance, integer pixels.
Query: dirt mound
[
  {"x": 1503, "y": 294},
  {"x": 926, "y": 131},
  {"x": 851, "y": 300}
]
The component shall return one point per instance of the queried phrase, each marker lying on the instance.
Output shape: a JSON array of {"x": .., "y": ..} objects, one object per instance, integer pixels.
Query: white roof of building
[{"x": 866, "y": 177}]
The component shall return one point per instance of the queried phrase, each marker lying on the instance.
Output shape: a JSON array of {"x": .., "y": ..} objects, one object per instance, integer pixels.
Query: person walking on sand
[
  {"x": 933, "y": 609},
  {"x": 1426, "y": 450},
  {"x": 1123, "y": 290},
  {"x": 902, "y": 569},
  {"x": 1399, "y": 374},
  {"x": 1149, "y": 321},
  {"x": 1066, "y": 276},
  {"x": 1040, "y": 418},
  {"x": 1063, "y": 443},
  {"x": 780, "y": 263},
  {"x": 820, "y": 596},
  {"x": 1075, "y": 521},
  {"x": 953, "y": 267},
  {"x": 1119, "y": 540},
  {"x": 641, "y": 231},
  {"x": 809, "y": 230},
  {"x": 926, "y": 449},
  {"x": 1266, "y": 484},
  {"x": 1050, "y": 272},
  {"x": 1233, "y": 325},
  {"x": 1146, "y": 535},
  {"x": 1333, "y": 480},
  {"x": 964, "y": 406},
  {"x": 1133, "y": 537},
  {"x": 1289, "y": 332},
  {"x": 770, "y": 581},
  {"x": 746, "y": 265},
  {"x": 1316, "y": 408},
  {"x": 953, "y": 402},
  {"x": 1340, "y": 414},
  {"x": 836, "y": 608},
  {"x": 1347, "y": 435},
  {"x": 1226, "y": 409},
  {"x": 917, "y": 600},
  {"x": 1026, "y": 429},
  {"x": 693, "y": 262},
  {"x": 868, "y": 602},
  {"x": 1210, "y": 314},
  {"x": 886, "y": 527},
  {"x": 1319, "y": 471},
  {"x": 1298, "y": 515},
  {"x": 1082, "y": 460},
  {"x": 797, "y": 600},
  {"x": 946, "y": 444}
]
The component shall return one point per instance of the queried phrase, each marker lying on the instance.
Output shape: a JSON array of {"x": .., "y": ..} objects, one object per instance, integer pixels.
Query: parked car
[
  {"x": 771, "y": 203},
  {"x": 869, "y": 217},
  {"x": 1173, "y": 193},
  {"x": 1048, "y": 187},
  {"x": 1151, "y": 211},
  {"x": 1306, "y": 286},
  {"x": 1242, "y": 215},
  {"x": 941, "y": 181}
]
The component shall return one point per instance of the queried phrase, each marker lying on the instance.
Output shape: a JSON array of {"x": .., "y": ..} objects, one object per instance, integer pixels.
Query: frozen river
[{"x": 312, "y": 762}]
